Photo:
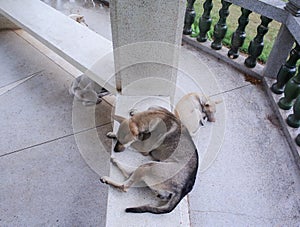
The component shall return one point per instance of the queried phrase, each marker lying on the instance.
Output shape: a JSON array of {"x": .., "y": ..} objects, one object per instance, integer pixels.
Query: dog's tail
[{"x": 166, "y": 208}]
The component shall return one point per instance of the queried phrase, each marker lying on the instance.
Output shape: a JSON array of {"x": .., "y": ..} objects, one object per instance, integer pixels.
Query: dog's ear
[
  {"x": 133, "y": 128},
  {"x": 119, "y": 119},
  {"x": 219, "y": 101},
  {"x": 203, "y": 100},
  {"x": 136, "y": 133},
  {"x": 207, "y": 104}
]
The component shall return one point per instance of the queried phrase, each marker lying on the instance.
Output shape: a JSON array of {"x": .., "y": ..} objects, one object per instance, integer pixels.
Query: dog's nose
[
  {"x": 119, "y": 147},
  {"x": 212, "y": 119}
]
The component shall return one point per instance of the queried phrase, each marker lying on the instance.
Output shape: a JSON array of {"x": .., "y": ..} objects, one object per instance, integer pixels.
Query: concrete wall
[{"x": 146, "y": 38}]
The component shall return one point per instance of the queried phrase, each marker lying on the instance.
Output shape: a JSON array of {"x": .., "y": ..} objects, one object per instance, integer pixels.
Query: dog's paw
[
  {"x": 144, "y": 153},
  {"x": 103, "y": 180},
  {"x": 203, "y": 121},
  {"x": 113, "y": 160},
  {"x": 111, "y": 135},
  {"x": 123, "y": 188},
  {"x": 99, "y": 100}
]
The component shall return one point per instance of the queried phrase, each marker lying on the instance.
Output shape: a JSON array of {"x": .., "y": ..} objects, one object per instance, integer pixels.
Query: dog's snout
[
  {"x": 212, "y": 119},
  {"x": 119, "y": 147}
]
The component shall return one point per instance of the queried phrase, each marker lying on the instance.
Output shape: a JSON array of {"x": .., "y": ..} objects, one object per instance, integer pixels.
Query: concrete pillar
[
  {"x": 280, "y": 51},
  {"x": 146, "y": 37}
]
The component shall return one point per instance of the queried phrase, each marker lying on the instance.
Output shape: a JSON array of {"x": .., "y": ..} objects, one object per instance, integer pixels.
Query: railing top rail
[{"x": 273, "y": 9}]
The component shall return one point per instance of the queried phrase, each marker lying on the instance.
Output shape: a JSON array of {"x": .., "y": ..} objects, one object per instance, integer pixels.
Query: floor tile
[
  {"x": 18, "y": 58},
  {"x": 219, "y": 219},
  {"x": 254, "y": 172},
  {"x": 41, "y": 109},
  {"x": 226, "y": 77},
  {"x": 50, "y": 185}
]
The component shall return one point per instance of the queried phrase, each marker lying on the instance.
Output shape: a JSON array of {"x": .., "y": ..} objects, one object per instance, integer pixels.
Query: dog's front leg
[
  {"x": 203, "y": 119},
  {"x": 111, "y": 135}
]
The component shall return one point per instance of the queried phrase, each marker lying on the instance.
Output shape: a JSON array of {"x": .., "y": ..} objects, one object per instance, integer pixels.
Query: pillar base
[{"x": 293, "y": 8}]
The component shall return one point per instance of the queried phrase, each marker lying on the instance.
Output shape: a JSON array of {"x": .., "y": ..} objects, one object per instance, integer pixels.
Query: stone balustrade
[{"x": 279, "y": 73}]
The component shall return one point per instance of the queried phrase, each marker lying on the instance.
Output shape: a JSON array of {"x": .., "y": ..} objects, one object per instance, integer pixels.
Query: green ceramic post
[
  {"x": 287, "y": 71},
  {"x": 239, "y": 35},
  {"x": 189, "y": 18},
  {"x": 291, "y": 92},
  {"x": 257, "y": 44},
  {"x": 293, "y": 120},
  {"x": 220, "y": 28},
  {"x": 205, "y": 21},
  {"x": 298, "y": 140}
]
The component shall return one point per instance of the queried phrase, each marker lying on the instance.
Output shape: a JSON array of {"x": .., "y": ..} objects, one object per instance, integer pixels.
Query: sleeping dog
[{"x": 158, "y": 133}]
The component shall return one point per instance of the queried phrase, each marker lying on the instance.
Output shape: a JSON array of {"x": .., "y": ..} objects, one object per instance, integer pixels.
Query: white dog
[
  {"x": 78, "y": 18},
  {"x": 194, "y": 110}
]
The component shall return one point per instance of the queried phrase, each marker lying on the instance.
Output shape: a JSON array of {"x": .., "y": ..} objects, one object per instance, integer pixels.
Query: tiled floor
[{"x": 45, "y": 178}]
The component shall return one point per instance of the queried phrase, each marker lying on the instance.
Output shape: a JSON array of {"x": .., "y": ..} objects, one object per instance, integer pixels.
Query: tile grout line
[
  {"x": 52, "y": 140},
  {"x": 24, "y": 79}
]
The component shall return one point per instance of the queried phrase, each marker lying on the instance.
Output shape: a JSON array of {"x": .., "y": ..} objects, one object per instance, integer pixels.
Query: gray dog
[{"x": 87, "y": 91}]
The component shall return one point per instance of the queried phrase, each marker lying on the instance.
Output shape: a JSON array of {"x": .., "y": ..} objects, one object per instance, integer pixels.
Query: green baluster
[
  {"x": 205, "y": 21},
  {"x": 189, "y": 18},
  {"x": 220, "y": 28},
  {"x": 287, "y": 71},
  {"x": 291, "y": 91},
  {"x": 293, "y": 120},
  {"x": 257, "y": 44},
  {"x": 239, "y": 35},
  {"x": 298, "y": 140}
]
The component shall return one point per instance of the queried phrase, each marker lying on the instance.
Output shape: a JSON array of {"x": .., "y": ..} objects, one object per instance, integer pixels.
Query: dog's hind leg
[
  {"x": 135, "y": 177},
  {"x": 139, "y": 175},
  {"x": 143, "y": 174},
  {"x": 126, "y": 170},
  {"x": 164, "y": 195},
  {"x": 108, "y": 180}
]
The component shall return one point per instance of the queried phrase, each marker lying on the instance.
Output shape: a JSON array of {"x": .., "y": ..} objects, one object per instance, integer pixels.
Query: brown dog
[{"x": 158, "y": 133}]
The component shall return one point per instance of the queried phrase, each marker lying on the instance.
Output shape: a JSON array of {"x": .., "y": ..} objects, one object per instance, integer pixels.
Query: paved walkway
[{"x": 45, "y": 181}]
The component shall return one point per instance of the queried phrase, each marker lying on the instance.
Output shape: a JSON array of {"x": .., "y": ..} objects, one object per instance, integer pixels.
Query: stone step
[{"x": 83, "y": 48}]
